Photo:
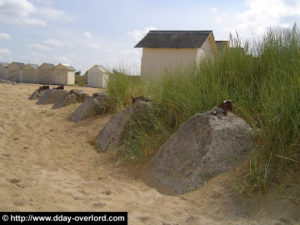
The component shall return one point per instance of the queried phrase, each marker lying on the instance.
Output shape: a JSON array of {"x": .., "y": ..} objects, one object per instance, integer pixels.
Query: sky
[{"x": 83, "y": 33}]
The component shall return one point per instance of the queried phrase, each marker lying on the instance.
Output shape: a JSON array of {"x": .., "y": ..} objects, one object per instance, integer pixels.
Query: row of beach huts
[{"x": 48, "y": 73}]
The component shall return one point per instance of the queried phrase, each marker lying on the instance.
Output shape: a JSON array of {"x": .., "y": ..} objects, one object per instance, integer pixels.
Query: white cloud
[
  {"x": 5, "y": 36},
  {"x": 58, "y": 43},
  {"x": 24, "y": 12},
  {"x": 139, "y": 34},
  {"x": 55, "y": 42},
  {"x": 5, "y": 51},
  {"x": 19, "y": 12},
  {"x": 263, "y": 14},
  {"x": 97, "y": 46},
  {"x": 62, "y": 59},
  {"x": 87, "y": 34},
  {"x": 214, "y": 10},
  {"x": 32, "y": 21},
  {"x": 16, "y": 7},
  {"x": 37, "y": 58},
  {"x": 38, "y": 55},
  {"x": 130, "y": 52},
  {"x": 39, "y": 46},
  {"x": 259, "y": 16},
  {"x": 53, "y": 14}
]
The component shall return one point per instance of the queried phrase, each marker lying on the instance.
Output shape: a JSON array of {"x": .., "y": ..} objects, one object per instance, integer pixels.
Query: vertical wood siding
[
  {"x": 46, "y": 75},
  {"x": 71, "y": 77},
  {"x": 14, "y": 73},
  {"x": 95, "y": 78},
  {"x": 156, "y": 61},
  {"x": 2, "y": 72},
  {"x": 30, "y": 75}
]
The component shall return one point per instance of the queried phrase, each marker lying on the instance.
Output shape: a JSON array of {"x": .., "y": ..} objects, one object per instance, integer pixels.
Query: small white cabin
[
  {"x": 30, "y": 73},
  {"x": 64, "y": 74},
  {"x": 3, "y": 66},
  {"x": 97, "y": 77},
  {"x": 14, "y": 71},
  {"x": 46, "y": 73},
  {"x": 170, "y": 50}
]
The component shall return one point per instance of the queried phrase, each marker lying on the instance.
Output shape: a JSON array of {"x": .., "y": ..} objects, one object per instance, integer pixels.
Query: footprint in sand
[
  {"x": 99, "y": 205},
  {"x": 14, "y": 181}
]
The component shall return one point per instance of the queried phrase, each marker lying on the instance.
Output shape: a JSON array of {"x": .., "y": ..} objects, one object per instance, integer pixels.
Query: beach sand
[{"x": 48, "y": 163}]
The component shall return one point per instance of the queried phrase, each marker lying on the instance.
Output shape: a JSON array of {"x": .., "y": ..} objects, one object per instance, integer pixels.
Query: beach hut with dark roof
[
  {"x": 222, "y": 45},
  {"x": 64, "y": 74},
  {"x": 14, "y": 71},
  {"x": 169, "y": 50},
  {"x": 30, "y": 73},
  {"x": 3, "y": 66},
  {"x": 97, "y": 76},
  {"x": 46, "y": 73}
]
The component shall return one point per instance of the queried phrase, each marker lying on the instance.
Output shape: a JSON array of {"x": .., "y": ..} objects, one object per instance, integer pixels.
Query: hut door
[
  {"x": 44, "y": 76},
  {"x": 28, "y": 76},
  {"x": 60, "y": 77},
  {"x": 13, "y": 75}
]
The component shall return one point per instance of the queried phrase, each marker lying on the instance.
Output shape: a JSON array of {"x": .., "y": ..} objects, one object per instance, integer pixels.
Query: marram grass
[{"x": 262, "y": 81}]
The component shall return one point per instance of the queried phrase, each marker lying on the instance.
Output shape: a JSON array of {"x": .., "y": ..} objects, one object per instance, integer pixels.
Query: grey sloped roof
[
  {"x": 35, "y": 66},
  {"x": 174, "y": 39},
  {"x": 101, "y": 68},
  {"x": 66, "y": 66},
  {"x": 222, "y": 44},
  {"x": 4, "y": 64},
  {"x": 50, "y": 65},
  {"x": 19, "y": 64},
  {"x": 70, "y": 68}
]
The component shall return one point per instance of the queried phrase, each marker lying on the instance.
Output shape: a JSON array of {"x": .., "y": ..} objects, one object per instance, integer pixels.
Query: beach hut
[
  {"x": 30, "y": 73},
  {"x": 3, "y": 66},
  {"x": 97, "y": 76},
  {"x": 64, "y": 74},
  {"x": 222, "y": 45},
  {"x": 46, "y": 73},
  {"x": 14, "y": 71},
  {"x": 172, "y": 50}
]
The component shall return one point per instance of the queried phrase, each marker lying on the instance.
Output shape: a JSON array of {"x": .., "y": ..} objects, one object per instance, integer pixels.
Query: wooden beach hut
[
  {"x": 171, "y": 50},
  {"x": 64, "y": 74},
  {"x": 97, "y": 76},
  {"x": 14, "y": 71},
  {"x": 3, "y": 66},
  {"x": 46, "y": 73},
  {"x": 30, "y": 73}
]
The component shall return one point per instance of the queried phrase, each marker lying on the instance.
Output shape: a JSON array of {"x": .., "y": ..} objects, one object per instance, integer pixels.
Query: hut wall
[
  {"x": 156, "y": 61},
  {"x": 95, "y": 77},
  {"x": 46, "y": 75},
  {"x": 30, "y": 75}
]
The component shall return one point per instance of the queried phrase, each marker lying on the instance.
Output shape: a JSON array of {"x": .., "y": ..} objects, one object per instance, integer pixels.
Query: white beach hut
[
  {"x": 46, "y": 73},
  {"x": 222, "y": 45},
  {"x": 14, "y": 71},
  {"x": 97, "y": 76},
  {"x": 3, "y": 66},
  {"x": 169, "y": 50},
  {"x": 30, "y": 73},
  {"x": 64, "y": 74}
]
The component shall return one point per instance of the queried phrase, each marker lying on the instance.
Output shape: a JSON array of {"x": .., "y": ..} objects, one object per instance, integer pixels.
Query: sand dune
[{"x": 48, "y": 163}]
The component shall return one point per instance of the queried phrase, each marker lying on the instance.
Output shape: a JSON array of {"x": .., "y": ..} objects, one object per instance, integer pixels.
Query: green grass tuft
[
  {"x": 121, "y": 88},
  {"x": 81, "y": 80}
]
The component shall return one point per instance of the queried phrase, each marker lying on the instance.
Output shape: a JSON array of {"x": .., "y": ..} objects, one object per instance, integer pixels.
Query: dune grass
[
  {"x": 262, "y": 81},
  {"x": 81, "y": 80},
  {"x": 121, "y": 87}
]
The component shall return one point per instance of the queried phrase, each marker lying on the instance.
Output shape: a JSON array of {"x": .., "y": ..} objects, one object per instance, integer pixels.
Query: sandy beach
[{"x": 48, "y": 163}]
